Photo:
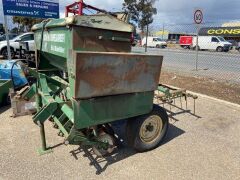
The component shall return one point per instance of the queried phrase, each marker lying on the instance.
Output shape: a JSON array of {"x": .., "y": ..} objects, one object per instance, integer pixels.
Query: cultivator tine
[
  {"x": 194, "y": 106},
  {"x": 181, "y": 101},
  {"x": 169, "y": 94},
  {"x": 170, "y": 106},
  {"x": 186, "y": 102}
]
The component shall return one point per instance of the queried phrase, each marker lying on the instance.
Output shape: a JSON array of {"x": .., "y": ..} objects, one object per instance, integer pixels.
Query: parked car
[
  {"x": 185, "y": 41},
  {"x": 217, "y": 43},
  {"x": 15, "y": 44},
  {"x": 233, "y": 42},
  {"x": 11, "y": 36},
  {"x": 135, "y": 39},
  {"x": 154, "y": 42}
]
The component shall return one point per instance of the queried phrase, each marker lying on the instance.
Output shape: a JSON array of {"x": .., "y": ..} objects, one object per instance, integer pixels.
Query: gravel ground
[
  {"x": 203, "y": 147},
  {"x": 214, "y": 88}
]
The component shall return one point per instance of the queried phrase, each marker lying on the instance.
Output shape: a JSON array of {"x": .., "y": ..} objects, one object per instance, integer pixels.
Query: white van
[
  {"x": 216, "y": 43},
  {"x": 154, "y": 42}
]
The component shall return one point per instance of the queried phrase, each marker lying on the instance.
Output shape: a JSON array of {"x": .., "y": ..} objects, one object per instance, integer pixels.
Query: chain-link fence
[{"x": 214, "y": 53}]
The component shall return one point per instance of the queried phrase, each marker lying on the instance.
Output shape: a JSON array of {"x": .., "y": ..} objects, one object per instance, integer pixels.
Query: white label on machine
[{"x": 57, "y": 49}]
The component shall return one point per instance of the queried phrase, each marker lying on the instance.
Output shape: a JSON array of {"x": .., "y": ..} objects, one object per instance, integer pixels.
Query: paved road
[
  {"x": 200, "y": 148},
  {"x": 223, "y": 66}
]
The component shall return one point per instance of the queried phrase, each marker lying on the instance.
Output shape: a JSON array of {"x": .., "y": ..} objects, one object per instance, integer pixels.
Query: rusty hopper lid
[{"x": 100, "y": 21}]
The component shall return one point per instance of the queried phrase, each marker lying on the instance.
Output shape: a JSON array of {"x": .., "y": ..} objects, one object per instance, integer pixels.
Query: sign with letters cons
[{"x": 32, "y": 8}]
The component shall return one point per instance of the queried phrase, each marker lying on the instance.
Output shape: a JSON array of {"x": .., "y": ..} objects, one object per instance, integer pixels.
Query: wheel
[
  {"x": 5, "y": 53},
  {"x": 6, "y": 100},
  {"x": 146, "y": 132},
  {"x": 219, "y": 49},
  {"x": 158, "y": 46},
  {"x": 99, "y": 151},
  {"x": 194, "y": 48}
]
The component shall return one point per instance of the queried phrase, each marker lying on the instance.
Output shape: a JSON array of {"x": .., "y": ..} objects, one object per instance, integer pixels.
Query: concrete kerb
[
  {"x": 211, "y": 98},
  {"x": 216, "y": 99}
]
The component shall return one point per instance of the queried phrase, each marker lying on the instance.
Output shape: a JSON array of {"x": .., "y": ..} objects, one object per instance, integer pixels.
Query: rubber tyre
[
  {"x": 219, "y": 49},
  {"x": 4, "y": 53},
  {"x": 194, "y": 48},
  {"x": 6, "y": 100},
  {"x": 133, "y": 130},
  {"x": 158, "y": 46}
]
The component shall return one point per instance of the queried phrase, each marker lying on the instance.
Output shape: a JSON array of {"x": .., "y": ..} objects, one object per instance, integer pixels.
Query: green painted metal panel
[
  {"x": 45, "y": 112},
  {"x": 164, "y": 90},
  {"x": 68, "y": 112},
  {"x": 111, "y": 108},
  {"x": 84, "y": 33},
  {"x": 4, "y": 89},
  {"x": 100, "y": 21},
  {"x": 55, "y": 47}
]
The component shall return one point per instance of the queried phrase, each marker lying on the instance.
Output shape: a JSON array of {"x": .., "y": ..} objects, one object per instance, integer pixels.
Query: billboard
[
  {"x": 220, "y": 31},
  {"x": 32, "y": 8}
]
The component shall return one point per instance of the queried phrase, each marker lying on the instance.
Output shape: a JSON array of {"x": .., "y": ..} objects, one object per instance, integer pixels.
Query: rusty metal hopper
[{"x": 102, "y": 74}]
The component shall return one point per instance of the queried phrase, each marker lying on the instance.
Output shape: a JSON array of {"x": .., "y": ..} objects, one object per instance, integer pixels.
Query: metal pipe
[
  {"x": 7, "y": 38},
  {"x": 43, "y": 137},
  {"x": 146, "y": 40},
  {"x": 80, "y": 8},
  {"x": 197, "y": 48}
]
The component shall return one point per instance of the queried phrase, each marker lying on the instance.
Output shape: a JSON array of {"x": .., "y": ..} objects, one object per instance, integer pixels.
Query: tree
[
  {"x": 14, "y": 30},
  {"x": 25, "y": 22},
  {"x": 141, "y": 11}
]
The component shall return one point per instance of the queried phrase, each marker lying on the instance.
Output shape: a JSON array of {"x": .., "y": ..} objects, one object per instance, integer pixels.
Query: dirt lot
[
  {"x": 204, "y": 146},
  {"x": 221, "y": 90}
]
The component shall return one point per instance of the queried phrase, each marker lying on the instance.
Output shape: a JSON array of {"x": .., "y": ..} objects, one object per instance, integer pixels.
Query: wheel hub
[
  {"x": 151, "y": 129},
  {"x": 102, "y": 151}
]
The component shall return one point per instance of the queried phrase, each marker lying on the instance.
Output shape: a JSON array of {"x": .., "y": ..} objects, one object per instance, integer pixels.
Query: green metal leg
[
  {"x": 43, "y": 150},
  {"x": 38, "y": 101}
]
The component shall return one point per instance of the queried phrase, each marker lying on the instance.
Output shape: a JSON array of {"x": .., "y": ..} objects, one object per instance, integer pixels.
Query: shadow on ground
[
  {"x": 121, "y": 153},
  {"x": 3, "y": 109}
]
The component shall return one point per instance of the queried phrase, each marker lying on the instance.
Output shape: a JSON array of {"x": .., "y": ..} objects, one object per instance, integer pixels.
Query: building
[
  {"x": 172, "y": 36},
  {"x": 175, "y": 36},
  {"x": 229, "y": 33},
  {"x": 231, "y": 24}
]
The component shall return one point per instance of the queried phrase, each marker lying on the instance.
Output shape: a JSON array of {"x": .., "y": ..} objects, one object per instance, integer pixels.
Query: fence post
[
  {"x": 146, "y": 39},
  {"x": 197, "y": 47},
  {"x": 7, "y": 38}
]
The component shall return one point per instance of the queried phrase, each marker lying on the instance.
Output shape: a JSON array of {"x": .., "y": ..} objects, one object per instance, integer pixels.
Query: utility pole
[
  {"x": 146, "y": 39},
  {"x": 7, "y": 37},
  {"x": 163, "y": 29},
  {"x": 197, "y": 47}
]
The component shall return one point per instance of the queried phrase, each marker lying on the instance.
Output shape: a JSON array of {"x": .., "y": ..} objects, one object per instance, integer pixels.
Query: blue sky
[{"x": 174, "y": 11}]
